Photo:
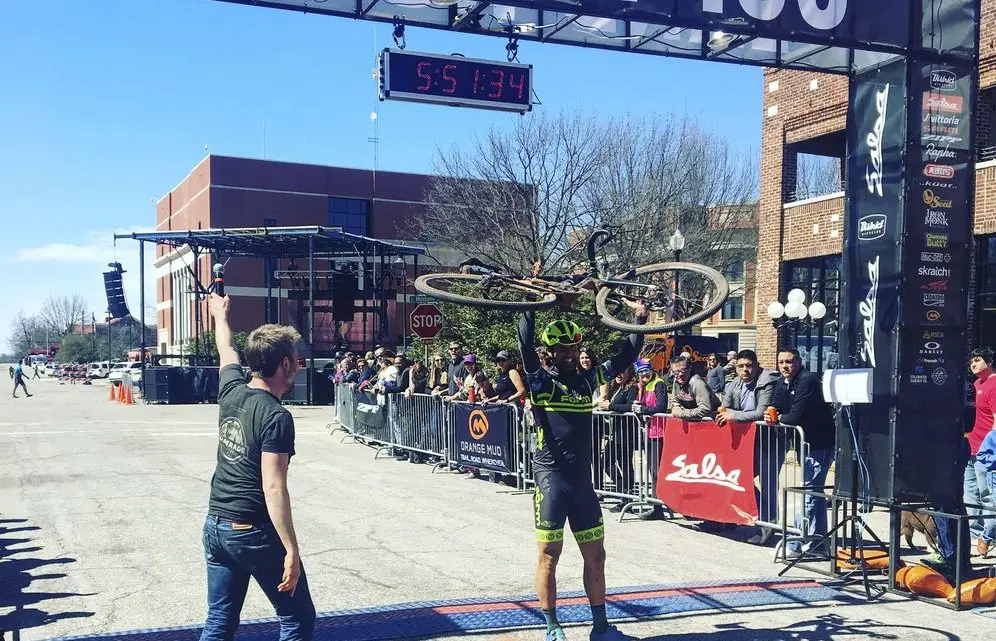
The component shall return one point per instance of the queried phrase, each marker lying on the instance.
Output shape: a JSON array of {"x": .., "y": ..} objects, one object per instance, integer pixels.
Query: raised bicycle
[{"x": 677, "y": 294}]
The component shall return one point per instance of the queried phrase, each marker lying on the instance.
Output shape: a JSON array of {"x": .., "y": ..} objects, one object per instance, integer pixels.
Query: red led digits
[
  {"x": 424, "y": 76},
  {"x": 497, "y": 84},
  {"x": 451, "y": 79},
  {"x": 522, "y": 83},
  {"x": 477, "y": 78}
]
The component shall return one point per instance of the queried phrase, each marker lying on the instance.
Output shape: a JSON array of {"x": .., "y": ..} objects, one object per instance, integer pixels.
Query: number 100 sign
[{"x": 455, "y": 80}]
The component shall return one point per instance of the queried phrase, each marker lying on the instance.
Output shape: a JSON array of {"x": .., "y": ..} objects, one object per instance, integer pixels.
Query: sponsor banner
[
  {"x": 707, "y": 471},
  {"x": 483, "y": 436},
  {"x": 932, "y": 369},
  {"x": 869, "y": 304}
]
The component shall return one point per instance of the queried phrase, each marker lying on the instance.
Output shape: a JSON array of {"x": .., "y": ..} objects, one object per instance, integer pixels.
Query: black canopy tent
[{"x": 272, "y": 243}]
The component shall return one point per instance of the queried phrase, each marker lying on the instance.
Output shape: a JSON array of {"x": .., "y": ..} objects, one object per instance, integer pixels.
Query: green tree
[
  {"x": 206, "y": 344},
  {"x": 76, "y": 348}
]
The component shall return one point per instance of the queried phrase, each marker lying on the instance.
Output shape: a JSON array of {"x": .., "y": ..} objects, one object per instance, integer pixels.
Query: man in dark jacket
[
  {"x": 716, "y": 378},
  {"x": 798, "y": 397}
]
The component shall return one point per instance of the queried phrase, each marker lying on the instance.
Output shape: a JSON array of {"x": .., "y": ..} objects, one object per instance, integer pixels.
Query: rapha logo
[
  {"x": 867, "y": 309},
  {"x": 708, "y": 472},
  {"x": 943, "y": 80},
  {"x": 871, "y": 227},
  {"x": 873, "y": 175}
]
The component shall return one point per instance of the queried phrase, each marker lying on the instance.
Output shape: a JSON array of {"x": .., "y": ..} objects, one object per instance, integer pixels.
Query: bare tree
[
  {"x": 26, "y": 332},
  {"x": 668, "y": 174},
  {"x": 816, "y": 176},
  {"x": 60, "y": 314},
  {"x": 517, "y": 197}
]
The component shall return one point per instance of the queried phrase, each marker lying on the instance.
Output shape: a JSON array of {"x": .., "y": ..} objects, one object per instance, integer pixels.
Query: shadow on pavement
[
  {"x": 27, "y": 609},
  {"x": 828, "y": 627}
]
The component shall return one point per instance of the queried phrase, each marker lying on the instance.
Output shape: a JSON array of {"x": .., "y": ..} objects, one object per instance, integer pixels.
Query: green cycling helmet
[{"x": 561, "y": 332}]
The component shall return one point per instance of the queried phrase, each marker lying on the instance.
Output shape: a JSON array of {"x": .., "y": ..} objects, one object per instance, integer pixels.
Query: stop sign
[{"x": 426, "y": 321}]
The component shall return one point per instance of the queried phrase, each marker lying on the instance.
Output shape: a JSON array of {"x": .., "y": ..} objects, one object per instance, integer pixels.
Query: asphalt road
[{"x": 101, "y": 509}]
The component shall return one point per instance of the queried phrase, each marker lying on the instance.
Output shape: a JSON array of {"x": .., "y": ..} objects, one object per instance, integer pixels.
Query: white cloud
[{"x": 63, "y": 252}]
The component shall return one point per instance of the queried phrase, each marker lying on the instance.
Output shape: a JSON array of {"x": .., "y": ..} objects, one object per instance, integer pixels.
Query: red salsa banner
[{"x": 707, "y": 471}]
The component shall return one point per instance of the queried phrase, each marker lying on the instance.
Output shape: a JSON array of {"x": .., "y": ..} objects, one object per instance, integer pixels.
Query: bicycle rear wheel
[
  {"x": 701, "y": 292},
  {"x": 474, "y": 290}
]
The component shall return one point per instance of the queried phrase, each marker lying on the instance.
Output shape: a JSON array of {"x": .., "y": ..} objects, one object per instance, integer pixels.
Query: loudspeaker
[
  {"x": 344, "y": 292},
  {"x": 155, "y": 385},
  {"x": 922, "y": 464},
  {"x": 116, "y": 304}
]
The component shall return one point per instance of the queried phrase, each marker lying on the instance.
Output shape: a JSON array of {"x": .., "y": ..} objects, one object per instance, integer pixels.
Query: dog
[{"x": 922, "y": 523}]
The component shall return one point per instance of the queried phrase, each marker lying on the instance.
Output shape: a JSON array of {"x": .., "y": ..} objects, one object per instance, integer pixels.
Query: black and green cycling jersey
[{"x": 563, "y": 403}]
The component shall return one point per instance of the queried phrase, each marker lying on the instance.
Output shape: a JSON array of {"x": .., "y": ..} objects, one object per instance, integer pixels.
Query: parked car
[
  {"x": 99, "y": 370},
  {"x": 117, "y": 371}
]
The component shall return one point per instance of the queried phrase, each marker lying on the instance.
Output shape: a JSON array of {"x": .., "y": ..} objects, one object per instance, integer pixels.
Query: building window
[
  {"x": 985, "y": 283},
  {"x": 733, "y": 308},
  {"x": 819, "y": 278},
  {"x": 350, "y": 214},
  {"x": 734, "y": 273}
]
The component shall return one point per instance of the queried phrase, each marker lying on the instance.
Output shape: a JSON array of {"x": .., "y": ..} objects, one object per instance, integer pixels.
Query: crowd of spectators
[{"x": 727, "y": 388}]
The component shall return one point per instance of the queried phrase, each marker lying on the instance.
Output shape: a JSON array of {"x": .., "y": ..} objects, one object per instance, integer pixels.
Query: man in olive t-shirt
[{"x": 249, "y": 531}]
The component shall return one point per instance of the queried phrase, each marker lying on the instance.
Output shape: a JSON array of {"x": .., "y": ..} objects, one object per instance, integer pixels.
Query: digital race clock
[{"x": 455, "y": 80}]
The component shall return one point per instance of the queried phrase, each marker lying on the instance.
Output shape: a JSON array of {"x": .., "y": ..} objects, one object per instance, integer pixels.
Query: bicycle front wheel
[
  {"x": 677, "y": 295},
  {"x": 474, "y": 290}
]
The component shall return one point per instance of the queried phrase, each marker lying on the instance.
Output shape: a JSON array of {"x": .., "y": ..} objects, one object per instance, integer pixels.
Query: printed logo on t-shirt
[{"x": 232, "y": 439}]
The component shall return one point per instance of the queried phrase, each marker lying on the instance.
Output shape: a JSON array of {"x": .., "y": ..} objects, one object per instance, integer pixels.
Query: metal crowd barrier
[
  {"x": 624, "y": 460},
  {"x": 780, "y": 452},
  {"x": 416, "y": 424}
]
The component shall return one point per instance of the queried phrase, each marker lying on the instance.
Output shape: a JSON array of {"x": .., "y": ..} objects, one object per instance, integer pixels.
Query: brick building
[
  {"x": 801, "y": 228},
  {"x": 226, "y": 192}
]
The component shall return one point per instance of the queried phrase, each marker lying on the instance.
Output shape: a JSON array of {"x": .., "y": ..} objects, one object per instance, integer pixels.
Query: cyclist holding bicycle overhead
[{"x": 563, "y": 398}]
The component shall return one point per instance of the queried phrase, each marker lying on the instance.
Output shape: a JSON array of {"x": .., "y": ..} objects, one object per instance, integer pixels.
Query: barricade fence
[{"x": 627, "y": 448}]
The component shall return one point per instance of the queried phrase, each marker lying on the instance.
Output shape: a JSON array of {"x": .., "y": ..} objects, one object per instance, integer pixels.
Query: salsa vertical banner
[{"x": 872, "y": 267}]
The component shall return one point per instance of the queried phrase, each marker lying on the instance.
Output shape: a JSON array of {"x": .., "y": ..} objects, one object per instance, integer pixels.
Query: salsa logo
[
  {"x": 943, "y": 80},
  {"x": 708, "y": 471},
  {"x": 825, "y": 17},
  {"x": 933, "y": 200},
  {"x": 871, "y": 227},
  {"x": 939, "y": 102},
  {"x": 478, "y": 424},
  {"x": 873, "y": 175},
  {"x": 867, "y": 309},
  {"x": 938, "y": 171}
]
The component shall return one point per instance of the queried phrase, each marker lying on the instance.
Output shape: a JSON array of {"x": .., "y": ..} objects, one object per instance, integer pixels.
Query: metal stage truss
[
  {"x": 832, "y": 36},
  {"x": 312, "y": 243}
]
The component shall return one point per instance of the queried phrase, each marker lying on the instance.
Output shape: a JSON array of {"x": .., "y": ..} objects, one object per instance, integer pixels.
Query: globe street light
[
  {"x": 795, "y": 310},
  {"x": 676, "y": 244}
]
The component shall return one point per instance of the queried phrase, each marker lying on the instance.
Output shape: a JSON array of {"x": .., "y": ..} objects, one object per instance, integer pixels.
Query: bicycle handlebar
[{"x": 598, "y": 239}]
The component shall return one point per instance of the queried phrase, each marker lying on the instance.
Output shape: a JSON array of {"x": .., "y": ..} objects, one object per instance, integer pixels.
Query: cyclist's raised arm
[
  {"x": 631, "y": 350},
  {"x": 527, "y": 342}
]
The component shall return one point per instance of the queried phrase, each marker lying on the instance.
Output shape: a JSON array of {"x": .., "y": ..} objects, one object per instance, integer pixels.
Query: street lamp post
[
  {"x": 676, "y": 244},
  {"x": 108, "y": 339}
]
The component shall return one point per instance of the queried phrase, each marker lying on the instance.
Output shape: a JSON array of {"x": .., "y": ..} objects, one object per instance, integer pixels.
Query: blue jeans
[
  {"x": 813, "y": 520},
  {"x": 977, "y": 491},
  {"x": 234, "y": 555}
]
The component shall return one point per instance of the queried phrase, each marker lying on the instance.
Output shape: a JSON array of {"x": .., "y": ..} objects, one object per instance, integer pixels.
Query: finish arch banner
[
  {"x": 482, "y": 436},
  {"x": 707, "y": 471}
]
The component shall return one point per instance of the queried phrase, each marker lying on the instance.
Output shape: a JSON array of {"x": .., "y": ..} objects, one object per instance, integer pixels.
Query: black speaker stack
[{"x": 116, "y": 304}]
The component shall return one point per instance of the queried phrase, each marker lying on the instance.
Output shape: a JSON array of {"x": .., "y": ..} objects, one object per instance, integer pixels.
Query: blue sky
[{"x": 107, "y": 104}]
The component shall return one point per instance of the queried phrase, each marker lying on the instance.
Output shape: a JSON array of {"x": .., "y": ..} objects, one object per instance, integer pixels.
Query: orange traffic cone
[
  {"x": 128, "y": 400},
  {"x": 112, "y": 397}
]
